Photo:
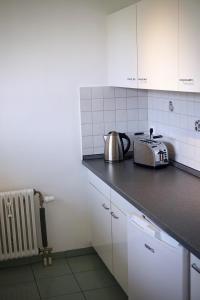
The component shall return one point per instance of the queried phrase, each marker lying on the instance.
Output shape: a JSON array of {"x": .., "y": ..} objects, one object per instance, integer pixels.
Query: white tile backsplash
[
  {"x": 178, "y": 126},
  {"x": 104, "y": 109}
]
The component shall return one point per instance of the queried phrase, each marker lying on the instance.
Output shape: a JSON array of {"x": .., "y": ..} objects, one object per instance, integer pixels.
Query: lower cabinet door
[
  {"x": 101, "y": 226},
  {"x": 195, "y": 278},
  {"x": 120, "y": 249}
]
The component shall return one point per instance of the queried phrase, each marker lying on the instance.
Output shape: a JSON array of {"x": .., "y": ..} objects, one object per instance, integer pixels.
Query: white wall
[{"x": 48, "y": 50}]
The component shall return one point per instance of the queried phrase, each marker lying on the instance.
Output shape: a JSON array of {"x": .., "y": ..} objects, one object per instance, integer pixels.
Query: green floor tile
[
  {"x": 59, "y": 267},
  {"x": 57, "y": 286},
  {"x": 16, "y": 275},
  {"x": 69, "y": 297},
  {"x": 85, "y": 263},
  {"x": 25, "y": 291},
  {"x": 113, "y": 293},
  {"x": 95, "y": 279}
]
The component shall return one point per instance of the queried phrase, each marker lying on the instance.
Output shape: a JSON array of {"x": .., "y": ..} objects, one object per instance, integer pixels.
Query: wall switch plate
[{"x": 197, "y": 125}]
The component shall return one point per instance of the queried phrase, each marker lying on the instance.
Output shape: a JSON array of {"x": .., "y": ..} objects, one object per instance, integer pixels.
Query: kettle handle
[{"x": 124, "y": 136}]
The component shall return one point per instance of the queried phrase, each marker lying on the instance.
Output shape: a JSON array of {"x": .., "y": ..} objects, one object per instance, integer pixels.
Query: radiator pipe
[
  {"x": 45, "y": 252},
  {"x": 42, "y": 219}
]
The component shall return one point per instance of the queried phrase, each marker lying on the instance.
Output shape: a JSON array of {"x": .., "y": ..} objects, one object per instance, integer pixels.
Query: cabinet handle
[
  {"x": 114, "y": 216},
  {"x": 105, "y": 207},
  {"x": 197, "y": 269},
  {"x": 186, "y": 80},
  {"x": 142, "y": 79},
  {"x": 149, "y": 248},
  {"x": 131, "y": 79}
]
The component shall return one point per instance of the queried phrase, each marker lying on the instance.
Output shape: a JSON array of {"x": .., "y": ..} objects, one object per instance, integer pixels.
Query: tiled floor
[{"x": 77, "y": 278}]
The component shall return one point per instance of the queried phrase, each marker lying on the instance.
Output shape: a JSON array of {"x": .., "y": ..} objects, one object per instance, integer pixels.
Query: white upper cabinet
[
  {"x": 122, "y": 48},
  {"x": 189, "y": 46},
  {"x": 158, "y": 44}
]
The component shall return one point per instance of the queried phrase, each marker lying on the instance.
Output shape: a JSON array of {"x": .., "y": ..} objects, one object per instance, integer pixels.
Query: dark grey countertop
[{"x": 169, "y": 196}]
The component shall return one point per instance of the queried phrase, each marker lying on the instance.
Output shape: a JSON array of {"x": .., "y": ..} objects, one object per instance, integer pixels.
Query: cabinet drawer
[
  {"x": 99, "y": 184},
  {"x": 127, "y": 208}
]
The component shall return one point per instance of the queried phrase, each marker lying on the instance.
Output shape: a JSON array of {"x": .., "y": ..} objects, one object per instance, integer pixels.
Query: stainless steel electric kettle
[{"x": 114, "y": 146}]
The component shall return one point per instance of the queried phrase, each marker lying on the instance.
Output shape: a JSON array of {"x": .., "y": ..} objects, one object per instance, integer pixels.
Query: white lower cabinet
[
  {"x": 120, "y": 249},
  {"x": 101, "y": 226},
  {"x": 195, "y": 278},
  {"x": 109, "y": 215}
]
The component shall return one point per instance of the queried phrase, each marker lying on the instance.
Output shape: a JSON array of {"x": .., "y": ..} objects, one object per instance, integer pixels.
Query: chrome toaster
[{"x": 149, "y": 152}]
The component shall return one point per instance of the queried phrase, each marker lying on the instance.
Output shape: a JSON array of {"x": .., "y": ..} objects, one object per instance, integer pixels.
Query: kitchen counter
[{"x": 170, "y": 197}]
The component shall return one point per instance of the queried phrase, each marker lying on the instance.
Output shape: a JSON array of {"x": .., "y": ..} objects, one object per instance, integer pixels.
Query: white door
[
  {"x": 157, "y": 44},
  {"x": 101, "y": 226},
  {"x": 120, "y": 247},
  {"x": 122, "y": 48},
  {"x": 195, "y": 278},
  {"x": 189, "y": 46}
]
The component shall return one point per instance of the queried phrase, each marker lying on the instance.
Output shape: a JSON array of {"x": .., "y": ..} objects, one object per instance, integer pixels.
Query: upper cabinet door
[
  {"x": 158, "y": 44},
  {"x": 189, "y": 46},
  {"x": 122, "y": 48}
]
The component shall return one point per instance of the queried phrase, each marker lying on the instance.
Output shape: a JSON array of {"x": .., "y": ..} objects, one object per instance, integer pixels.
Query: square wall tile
[
  {"x": 86, "y": 117},
  {"x": 97, "y": 104},
  {"x": 133, "y": 126},
  {"x": 88, "y": 151},
  {"x": 110, "y": 126},
  {"x": 98, "y": 141},
  {"x": 121, "y": 115},
  {"x": 143, "y": 102},
  {"x": 120, "y": 92},
  {"x": 109, "y": 104},
  {"x": 121, "y": 103},
  {"x": 86, "y": 105},
  {"x": 85, "y": 93},
  {"x": 98, "y": 150},
  {"x": 108, "y": 92},
  {"x": 98, "y": 117},
  {"x": 86, "y": 129},
  {"x": 132, "y": 103},
  {"x": 97, "y": 93},
  {"x": 121, "y": 126},
  {"x": 132, "y": 92},
  {"x": 98, "y": 129},
  {"x": 133, "y": 115},
  {"x": 87, "y": 142},
  {"x": 109, "y": 116},
  {"x": 143, "y": 114}
]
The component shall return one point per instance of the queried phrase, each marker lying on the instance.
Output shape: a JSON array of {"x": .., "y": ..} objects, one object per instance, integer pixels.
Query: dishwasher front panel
[
  {"x": 157, "y": 271},
  {"x": 195, "y": 277}
]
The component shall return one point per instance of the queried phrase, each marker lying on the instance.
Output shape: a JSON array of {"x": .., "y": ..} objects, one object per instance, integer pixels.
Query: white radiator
[{"x": 17, "y": 225}]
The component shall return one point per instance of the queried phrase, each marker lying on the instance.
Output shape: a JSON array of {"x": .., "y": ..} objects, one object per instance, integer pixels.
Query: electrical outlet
[
  {"x": 171, "y": 106},
  {"x": 197, "y": 125}
]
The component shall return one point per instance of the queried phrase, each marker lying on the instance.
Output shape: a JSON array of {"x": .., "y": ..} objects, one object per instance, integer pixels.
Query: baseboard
[{"x": 37, "y": 258}]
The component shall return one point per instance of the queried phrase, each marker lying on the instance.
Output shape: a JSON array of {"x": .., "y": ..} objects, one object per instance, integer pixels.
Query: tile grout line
[
  {"x": 36, "y": 282},
  {"x": 73, "y": 274}
]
